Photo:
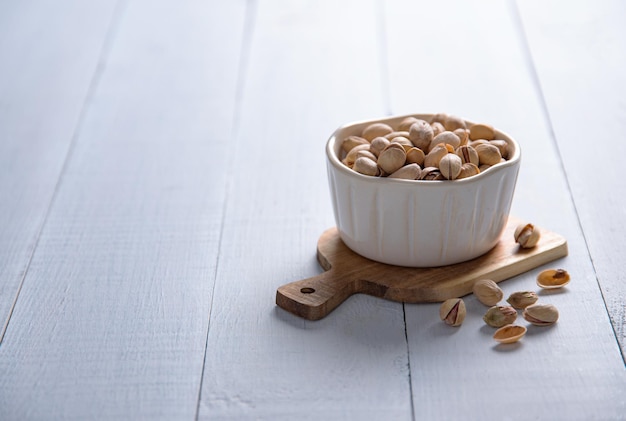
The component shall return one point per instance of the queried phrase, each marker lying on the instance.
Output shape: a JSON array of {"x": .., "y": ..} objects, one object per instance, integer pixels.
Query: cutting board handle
[{"x": 315, "y": 297}]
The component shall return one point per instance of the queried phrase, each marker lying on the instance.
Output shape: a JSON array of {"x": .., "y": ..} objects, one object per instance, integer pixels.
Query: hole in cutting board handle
[{"x": 307, "y": 290}]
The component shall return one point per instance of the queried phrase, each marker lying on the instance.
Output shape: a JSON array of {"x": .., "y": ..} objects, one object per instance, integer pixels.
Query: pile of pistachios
[
  {"x": 444, "y": 148},
  {"x": 503, "y": 317}
]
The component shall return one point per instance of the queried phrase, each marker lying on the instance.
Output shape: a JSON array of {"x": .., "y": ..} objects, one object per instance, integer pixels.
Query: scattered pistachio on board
[
  {"x": 498, "y": 316},
  {"x": 487, "y": 292},
  {"x": 522, "y": 299},
  {"x": 526, "y": 235},
  {"x": 446, "y": 144}
]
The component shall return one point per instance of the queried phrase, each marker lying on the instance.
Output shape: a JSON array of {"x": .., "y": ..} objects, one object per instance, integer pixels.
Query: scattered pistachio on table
[
  {"x": 553, "y": 278},
  {"x": 522, "y": 299},
  {"x": 455, "y": 149},
  {"x": 452, "y": 311},
  {"x": 498, "y": 316},
  {"x": 541, "y": 314}
]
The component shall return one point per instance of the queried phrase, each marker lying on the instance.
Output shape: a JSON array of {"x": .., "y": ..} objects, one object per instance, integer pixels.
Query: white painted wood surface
[
  {"x": 196, "y": 185},
  {"x": 46, "y": 73}
]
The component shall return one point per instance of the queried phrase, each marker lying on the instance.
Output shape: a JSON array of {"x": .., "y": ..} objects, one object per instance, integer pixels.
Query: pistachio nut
[
  {"x": 351, "y": 156},
  {"x": 399, "y": 133},
  {"x": 482, "y": 131},
  {"x": 375, "y": 130},
  {"x": 446, "y": 137},
  {"x": 502, "y": 145},
  {"x": 452, "y": 311},
  {"x": 541, "y": 314},
  {"x": 498, "y": 316},
  {"x": 468, "y": 170},
  {"x": 408, "y": 172},
  {"x": 450, "y": 166},
  {"x": 352, "y": 141},
  {"x": 509, "y": 334},
  {"x": 415, "y": 156},
  {"x": 391, "y": 159},
  {"x": 488, "y": 154},
  {"x": 405, "y": 125},
  {"x": 526, "y": 235},
  {"x": 421, "y": 134},
  {"x": 467, "y": 154},
  {"x": 378, "y": 145},
  {"x": 431, "y": 173},
  {"x": 452, "y": 122},
  {"x": 402, "y": 141},
  {"x": 463, "y": 134},
  {"x": 437, "y": 128},
  {"x": 522, "y": 299},
  {"x": 487, "y": 292},
  {"x": 553, "y": 278},
  {"x": 434, "y": 156},
  {"x": 366, "y": 166}
]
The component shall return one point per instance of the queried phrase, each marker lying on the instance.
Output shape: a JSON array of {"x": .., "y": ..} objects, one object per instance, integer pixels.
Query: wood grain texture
[
  {"x": 46, "y": 71},
  {"x": 306, "y": 76},
  {"x": 112, "y": 319},
  {"x": 480, "y": 71},
  {"x": 347, "y": 273},
  {"x": 587, "y": 42}
]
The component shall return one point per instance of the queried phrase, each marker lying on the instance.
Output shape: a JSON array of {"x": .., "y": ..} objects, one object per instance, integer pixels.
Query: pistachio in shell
[
  {"x": 522, "y": 299},
  {"x": 526, "y": 235},
  {"x": 487, "y": 292},
  {"x": 541, "y": 314},
  {"x": 553, "y": 278},
  {"x": 509, "y": 334},
  {"x": 498, "y": 316},
  {"x": 452, "y": 311}
]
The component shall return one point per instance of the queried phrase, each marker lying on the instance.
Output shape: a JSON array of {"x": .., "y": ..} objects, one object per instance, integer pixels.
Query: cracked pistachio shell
[
  {"x": 400, "y": 133},
  {"x": 378, "y": 145},
  {"x": 468, "y": 170},
  {"x": 452, "y": 122},
  {"x": 437, "y": 128},
  {"x": 421, "y": 134},
  {"x": 502, "y": 145},
  {"x": 488, "y": 154},
  {"x": 405, "y": 125},
  {"x": 446, "y": 137},
  {"x": 392, "y": 158},
  {"x": 366, "y": 166},
  {"x": 482, "y": 131},
  {"x": 498, "y": 316},
  {"x": 450, "y": 166},
  {"x": 463, "y": 134},
  {"x": 541, "y": 314},
  {"x": 434, "y": 156},
  {"x": 452, "y": 311},
  {"x": 526, "y": 235},
  {"x": 352, "y": 141},
  {"x": 351, "y": 156},
  {"x": 509, "y": 334},
  {"x": 402, "y": 141},
  {"x": 553, "y": 278},
  {"x": 487, "y": 292},
  {"x": 431, "y": 173},
  {"x": 375, "y": 130},
  {"x": 522, "y": 299},
  {"x": 415, "y": 156},
  {"x": 467, "y": 154},
  {"x": 408, "y": 172}
]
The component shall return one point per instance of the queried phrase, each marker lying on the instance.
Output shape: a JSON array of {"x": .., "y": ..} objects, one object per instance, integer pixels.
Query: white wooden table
[{"x": 162, "y": 173}]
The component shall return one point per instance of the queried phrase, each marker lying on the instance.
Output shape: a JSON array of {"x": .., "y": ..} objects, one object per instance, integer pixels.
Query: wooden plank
[
  {"x": 312, "y": 67},
  {"x": 45, "y": 75},
  {"x": 471, "y": 62},
  {"x": 112, "y": 319},
  {"x": 348, "y": 273},
  {"x": 586, "y": 41}
]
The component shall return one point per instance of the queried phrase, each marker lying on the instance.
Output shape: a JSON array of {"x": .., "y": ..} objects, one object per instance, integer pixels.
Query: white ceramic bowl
[{"x": 419, "y": 223}]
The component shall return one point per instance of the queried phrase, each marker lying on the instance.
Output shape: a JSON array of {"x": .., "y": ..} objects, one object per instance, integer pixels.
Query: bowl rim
[{"x": 336, "y": 162}]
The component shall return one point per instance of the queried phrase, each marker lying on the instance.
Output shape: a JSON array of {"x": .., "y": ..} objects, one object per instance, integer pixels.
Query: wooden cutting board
[{"x": 348, "y": 273}]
